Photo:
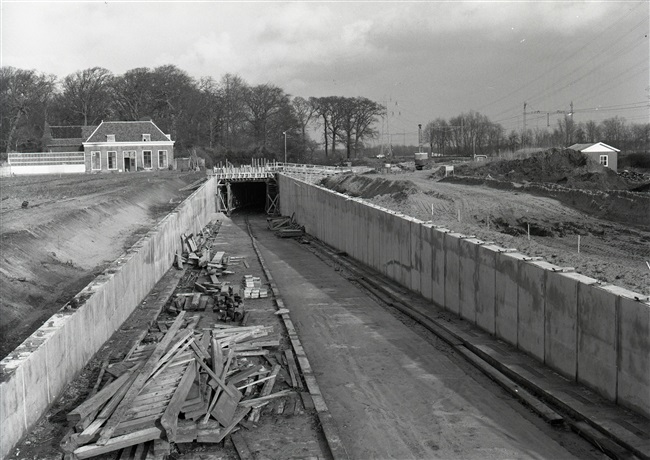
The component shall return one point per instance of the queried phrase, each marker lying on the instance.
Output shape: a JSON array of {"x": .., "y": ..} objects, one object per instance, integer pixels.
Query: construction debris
[
  {"x": 196, "y": 376},
  {"x": 285, "y": 227},
  {"x": 192, "y": 385}
]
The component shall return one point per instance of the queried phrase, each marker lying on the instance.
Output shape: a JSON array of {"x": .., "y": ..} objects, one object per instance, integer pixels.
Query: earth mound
[
  {"x": 564, "y": 167},
  {"x": 370, "y": 187}
]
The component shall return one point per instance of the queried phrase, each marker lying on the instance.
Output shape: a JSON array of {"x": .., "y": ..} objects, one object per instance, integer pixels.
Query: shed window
[
  {"x": 604, "y": 160},
  {"x": 146, "y": 138},
  {"x": 112, "y": 160},
  {"x": 162, "y": 159},
  {"x": 146, "y": 158},
  {"x": 95, "y": 161},
  {"x": 110, "y": 138}
]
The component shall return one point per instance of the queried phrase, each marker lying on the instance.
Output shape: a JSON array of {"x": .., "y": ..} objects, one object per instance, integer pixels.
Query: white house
[{"x": 604, "y": 154}]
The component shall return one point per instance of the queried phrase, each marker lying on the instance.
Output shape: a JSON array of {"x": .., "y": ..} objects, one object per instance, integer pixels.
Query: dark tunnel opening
[{"x": 248, "y": 196}]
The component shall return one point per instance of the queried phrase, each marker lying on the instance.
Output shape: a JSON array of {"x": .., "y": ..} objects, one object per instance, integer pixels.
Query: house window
[
  {"x": 95, "y": 161},
  {"x": 162, "y": 159},
  {"x": 146, "y": 138},
  {"x": 112, "y": 160},
  {"x": 110, "y": 138},
  {"x": 146, "y": 158},
  {"x": 604, "y": 160}
]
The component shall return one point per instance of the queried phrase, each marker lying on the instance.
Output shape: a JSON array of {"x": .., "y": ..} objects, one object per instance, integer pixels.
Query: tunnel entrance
[{"x": 251, "y": 195}]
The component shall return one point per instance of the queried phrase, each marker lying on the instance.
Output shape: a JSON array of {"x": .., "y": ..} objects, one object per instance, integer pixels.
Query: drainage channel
[{"x": 472, "y": 345}]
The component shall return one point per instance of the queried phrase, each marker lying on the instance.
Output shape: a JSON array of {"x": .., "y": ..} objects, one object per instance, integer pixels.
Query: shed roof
[
  {"x": 127, "y": 131},
  {"x": 593, "y": 147}
]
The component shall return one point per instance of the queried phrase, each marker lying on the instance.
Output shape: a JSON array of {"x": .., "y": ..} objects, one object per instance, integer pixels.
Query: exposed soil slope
[
  {"x": 609, "y": 251},
  {"x": 564, "y": 167},
  {"x": 70, "y": 229}
]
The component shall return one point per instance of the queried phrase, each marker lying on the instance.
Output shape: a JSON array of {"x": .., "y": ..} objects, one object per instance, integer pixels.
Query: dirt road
[
  {"x": 610, "y": 252},
  {"x": 70, "y": 229}
]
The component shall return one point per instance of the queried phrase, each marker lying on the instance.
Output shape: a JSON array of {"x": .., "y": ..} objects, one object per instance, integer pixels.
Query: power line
[{"x": 588, "y": 43}]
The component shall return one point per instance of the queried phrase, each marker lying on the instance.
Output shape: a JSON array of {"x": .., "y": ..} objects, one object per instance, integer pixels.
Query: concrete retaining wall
[
  {"x": 36, "y": 372},
  {"x": 597, "y": 335}
]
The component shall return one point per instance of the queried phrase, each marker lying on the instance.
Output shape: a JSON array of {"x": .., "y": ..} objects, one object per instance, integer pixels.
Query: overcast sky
[{"x": 423, "y": 59}]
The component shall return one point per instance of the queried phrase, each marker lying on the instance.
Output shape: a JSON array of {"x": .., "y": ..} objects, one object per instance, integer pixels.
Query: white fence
[{"x": 20, "y": 163}]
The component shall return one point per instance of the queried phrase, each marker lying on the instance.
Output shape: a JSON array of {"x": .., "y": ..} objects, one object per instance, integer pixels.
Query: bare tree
[
  {"x": 437, "y": 133},
  {"x": 234, "y": 91},
  {"x": 23, "y": 93},
  {"x": 357, "y": 117},
  {"x": 591, "y": 131},
  {"x": 264, "y": 103},
  {"x": 87, "y": 97},
  {"x": 304, "y": 112},
  {"x": 133, "y": 94},
  {"x": 172, "y": 90},
  {"x": 614, "y": 131}
]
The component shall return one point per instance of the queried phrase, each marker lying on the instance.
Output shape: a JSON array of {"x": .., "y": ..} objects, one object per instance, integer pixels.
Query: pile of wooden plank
[
  {"x": 226, "y": 301},
  {"x": 196, "y": 251},
  {"x": 285, "y": 227},
  {"x": 204, "y": 288},
  {"x": 191, "y": 385}
]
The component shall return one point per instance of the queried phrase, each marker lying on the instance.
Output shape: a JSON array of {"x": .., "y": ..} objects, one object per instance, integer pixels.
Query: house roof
[
  {"x": 594, "y": 147},
  {"x": 127, "y": 131}
]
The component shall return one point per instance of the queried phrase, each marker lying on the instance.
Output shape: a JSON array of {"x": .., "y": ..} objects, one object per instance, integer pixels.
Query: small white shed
[{"x": 600, "y": 152}]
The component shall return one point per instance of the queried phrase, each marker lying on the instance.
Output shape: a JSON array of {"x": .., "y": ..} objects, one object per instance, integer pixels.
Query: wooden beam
[
  {"x": 296, "y": 381},
  {"x": 95, "y": 402},
  {"x": 169, "y": 420},
  {"x": 140, "y": 381},
  {"x": 119, "y": 442}
]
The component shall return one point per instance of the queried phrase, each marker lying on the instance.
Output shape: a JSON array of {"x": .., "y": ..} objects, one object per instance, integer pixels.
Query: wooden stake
[{"x": 578, "y": 244}]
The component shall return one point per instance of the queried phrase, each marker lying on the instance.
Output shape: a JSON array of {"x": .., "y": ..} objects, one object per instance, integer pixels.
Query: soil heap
[{"x": 564, "y": 167}]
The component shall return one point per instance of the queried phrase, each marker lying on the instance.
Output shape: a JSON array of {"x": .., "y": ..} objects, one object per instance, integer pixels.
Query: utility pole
[
  {"x": 285, "y": 148},
  {"x": 523, "y": 133}
]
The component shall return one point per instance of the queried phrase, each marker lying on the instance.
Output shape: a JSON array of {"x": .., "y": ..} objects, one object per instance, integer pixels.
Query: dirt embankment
[
  {"x": 612, "y": 252},
  {"x": 563, "y": 167},
  {"x": 70, "y": 228}
]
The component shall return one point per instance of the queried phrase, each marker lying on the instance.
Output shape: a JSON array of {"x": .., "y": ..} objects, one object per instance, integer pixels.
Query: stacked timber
[
  {"x": 253, "y": 287},
  {"x": 191, "y": 386},
  {"x": 285, "y": 227},
  {"x": 204, "y": 287}
]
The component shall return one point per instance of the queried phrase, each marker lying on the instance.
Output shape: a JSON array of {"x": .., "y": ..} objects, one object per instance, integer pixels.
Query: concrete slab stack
[{"x": 599, "y": 335}]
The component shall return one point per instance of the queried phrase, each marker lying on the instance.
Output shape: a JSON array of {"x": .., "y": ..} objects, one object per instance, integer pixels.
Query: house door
[{"x": 129, "y": 161}]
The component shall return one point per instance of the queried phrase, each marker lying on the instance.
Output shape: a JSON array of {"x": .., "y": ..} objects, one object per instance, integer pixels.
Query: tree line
[
  {"x": 227, "y": 118},
  {"x": 221, "y": 119},
  {"x": 473, "y": 133}
]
